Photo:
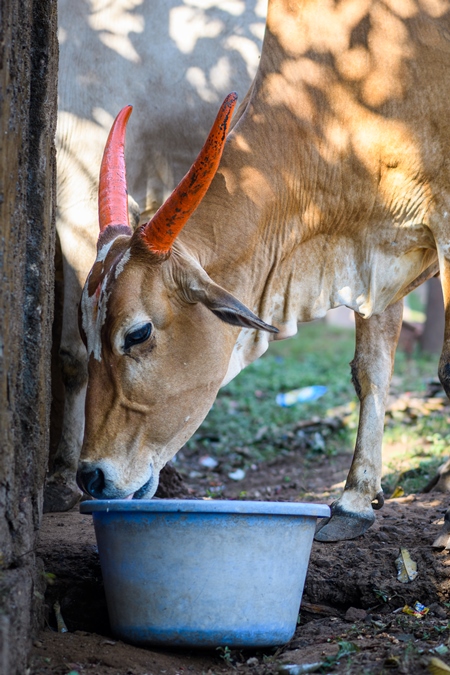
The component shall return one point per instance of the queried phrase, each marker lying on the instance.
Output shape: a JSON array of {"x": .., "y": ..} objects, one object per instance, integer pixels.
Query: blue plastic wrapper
[{"x": 304, "y": 395}]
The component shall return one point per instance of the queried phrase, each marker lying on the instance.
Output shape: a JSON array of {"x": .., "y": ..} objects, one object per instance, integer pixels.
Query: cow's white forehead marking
[
  {"x": 101, "y": 255},
  {"x": 122, "y": 262},
  {"x": 94, "y": 316},
  {"x": 94, "y": 307}
]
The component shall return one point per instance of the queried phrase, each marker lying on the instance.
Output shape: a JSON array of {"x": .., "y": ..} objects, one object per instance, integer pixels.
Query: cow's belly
[
  {"x": 367, "y": 288},
  {"x": 366, "y": 277},
  {"x": 366, "y": 282}
]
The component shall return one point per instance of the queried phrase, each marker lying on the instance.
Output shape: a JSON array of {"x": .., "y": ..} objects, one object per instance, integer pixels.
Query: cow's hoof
[
  {"x": 443, "y": 538},
  {"x": 440, "y": 481},
  {"x": 343, "y": 524},
  {"x": 59, "y": 497}
]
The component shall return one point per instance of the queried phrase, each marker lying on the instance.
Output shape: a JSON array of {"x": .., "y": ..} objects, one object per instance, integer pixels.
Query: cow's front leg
[
  {"x": 376, "y": 341},
  {"x": 442, "y": 481},
  {"x": 61, "y": 491}
]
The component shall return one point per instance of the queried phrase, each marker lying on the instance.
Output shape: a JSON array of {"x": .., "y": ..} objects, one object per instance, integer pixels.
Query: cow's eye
[{"x": 137, "y": 336}]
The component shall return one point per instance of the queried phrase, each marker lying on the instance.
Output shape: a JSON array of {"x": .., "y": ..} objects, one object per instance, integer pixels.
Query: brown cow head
[{"x": 157, "y": 353}]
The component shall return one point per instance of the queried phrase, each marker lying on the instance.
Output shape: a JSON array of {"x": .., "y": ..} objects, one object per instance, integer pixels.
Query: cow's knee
[
  {"x": 356, "y": 377},
  {"x": 444, "y": 373},
  {"x": 73, "y": 370},
  {"x": 369, "y": 376}
]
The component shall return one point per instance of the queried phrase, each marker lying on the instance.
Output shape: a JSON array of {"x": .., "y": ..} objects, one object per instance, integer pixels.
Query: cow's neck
[{"x": 244, "y": 226}]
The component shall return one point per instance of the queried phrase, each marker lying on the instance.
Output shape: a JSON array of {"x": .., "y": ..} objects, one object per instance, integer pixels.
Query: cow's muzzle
[
  {"x": 101, "y": 480},
  {"x": 141, "y": 493},
  {"x": 92, "y": 482}
]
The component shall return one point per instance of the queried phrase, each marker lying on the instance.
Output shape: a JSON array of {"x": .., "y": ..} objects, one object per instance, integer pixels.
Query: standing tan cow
[
  {"x": 333, "y": 189},
  {"x": 175, "y": 60}
]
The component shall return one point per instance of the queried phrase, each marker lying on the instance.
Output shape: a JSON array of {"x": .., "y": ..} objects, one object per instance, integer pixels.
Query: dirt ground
[{"x": 351, "y": 618}]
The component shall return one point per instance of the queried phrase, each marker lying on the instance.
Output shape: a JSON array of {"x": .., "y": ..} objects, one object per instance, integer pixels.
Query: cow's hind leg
[{"x": 376, "y": 341}]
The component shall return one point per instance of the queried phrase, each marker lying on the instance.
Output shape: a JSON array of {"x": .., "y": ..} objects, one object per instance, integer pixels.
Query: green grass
[
  {"x": 416, "y": 446},
  {"x": 413, "y": 373},
  {"x": 417, "y": 449},
  {"x": 245, "y": 420},
  {"x": 245, "y": 415}
]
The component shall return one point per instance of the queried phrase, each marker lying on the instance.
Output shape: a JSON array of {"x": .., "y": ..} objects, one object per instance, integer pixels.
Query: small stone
[
  {"x": 38, "y": 643},
  {"x": 381, "y": 536},
  {"x": 208, "y": 462},
  {"x": 438, "y": 611},
  {"x": 252, "y": 661},
  {"x": 355, "y": 614},
  {"x": 239, "y": 474}
]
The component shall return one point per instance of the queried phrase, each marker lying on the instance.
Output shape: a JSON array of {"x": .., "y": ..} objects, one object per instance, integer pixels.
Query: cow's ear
[
  {"x": 226, "y": 306},
  {"x": 134, "y": 213}
]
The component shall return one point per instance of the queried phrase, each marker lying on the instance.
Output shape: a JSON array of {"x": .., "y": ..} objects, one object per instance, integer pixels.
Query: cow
[
  {"x": 177, "y": 60},
  {"x": 330, "y": 187}
]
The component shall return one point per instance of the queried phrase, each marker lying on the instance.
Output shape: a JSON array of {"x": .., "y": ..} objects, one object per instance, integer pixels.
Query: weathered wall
[{"x": 28, "y": 73}]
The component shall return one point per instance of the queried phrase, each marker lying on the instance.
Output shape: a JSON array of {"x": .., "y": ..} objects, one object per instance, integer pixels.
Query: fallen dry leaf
[
  {"x": 406, "y": 567},
  {"x": 438, "y": 667}
]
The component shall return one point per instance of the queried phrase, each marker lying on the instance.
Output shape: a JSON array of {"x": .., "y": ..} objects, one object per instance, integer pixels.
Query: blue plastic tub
[{"x": 204, "y": 573}]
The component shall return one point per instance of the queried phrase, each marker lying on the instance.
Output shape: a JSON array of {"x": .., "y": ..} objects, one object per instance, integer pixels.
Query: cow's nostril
[{"x": 92, "y": 482}]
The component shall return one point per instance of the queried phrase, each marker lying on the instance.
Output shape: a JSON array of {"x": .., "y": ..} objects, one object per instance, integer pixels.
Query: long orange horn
[
  {"x": 161, "y": 231},
  {"x": 112, "y": 190}
]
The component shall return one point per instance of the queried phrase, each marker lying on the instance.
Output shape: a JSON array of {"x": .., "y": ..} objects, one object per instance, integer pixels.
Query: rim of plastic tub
[{"x": 205, "y": 506}]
